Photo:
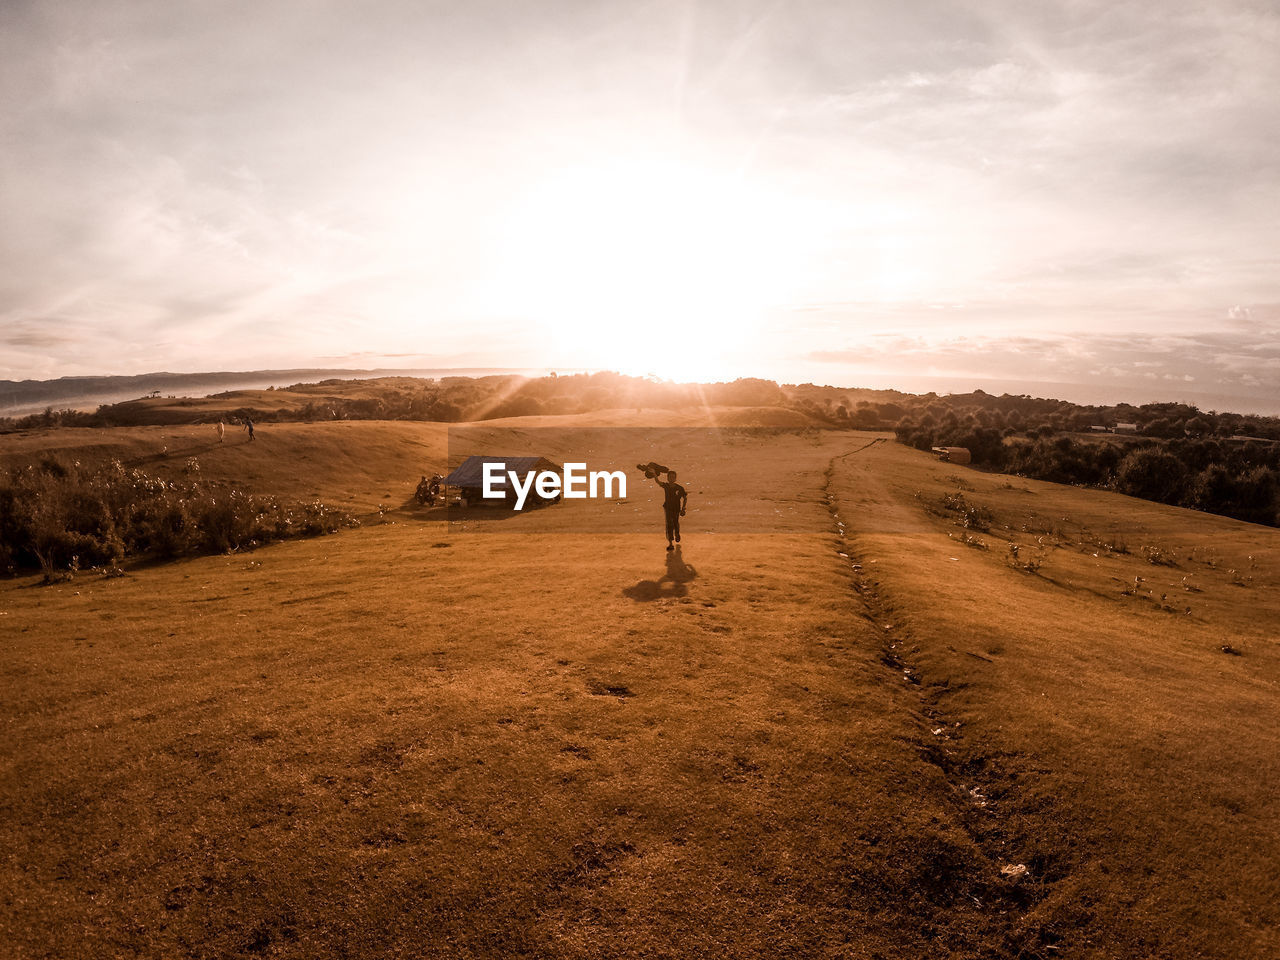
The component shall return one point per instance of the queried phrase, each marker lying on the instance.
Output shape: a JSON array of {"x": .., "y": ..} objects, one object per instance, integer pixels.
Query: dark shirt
[{"x": 676, "y": 496}]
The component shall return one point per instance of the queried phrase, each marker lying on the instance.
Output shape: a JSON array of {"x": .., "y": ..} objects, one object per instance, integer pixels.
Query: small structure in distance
[
  {"x": 469, "y": 478},
  {"x": 953, "y": 454}
]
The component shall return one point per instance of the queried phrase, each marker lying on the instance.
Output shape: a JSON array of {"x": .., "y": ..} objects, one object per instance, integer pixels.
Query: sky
[{"x": 808, "y": 190}]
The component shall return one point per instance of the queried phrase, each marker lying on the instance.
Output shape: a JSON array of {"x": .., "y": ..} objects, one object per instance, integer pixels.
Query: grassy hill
[
  {"x": 357, "y": 465},
  {"x": 844, "y": 721},
  {"x": 1113, "y": 706}
]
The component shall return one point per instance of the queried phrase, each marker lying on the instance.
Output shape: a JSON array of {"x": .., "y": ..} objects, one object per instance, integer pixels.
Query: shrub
[
  {"x": 61, "y": 518},
  {"x": 1153, "y": 474},
  {"x": 971, "y": 516}
]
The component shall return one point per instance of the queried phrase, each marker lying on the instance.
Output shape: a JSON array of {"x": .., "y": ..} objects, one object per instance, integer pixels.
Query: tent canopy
[{"x": 470, "y": 473}]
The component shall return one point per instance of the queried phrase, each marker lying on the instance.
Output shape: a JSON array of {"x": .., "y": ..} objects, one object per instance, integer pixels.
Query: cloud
[
  {"x": 226, "y": 186},
  {"x": 1218, "y": 362},
  {"x": 34, "y": 334}
]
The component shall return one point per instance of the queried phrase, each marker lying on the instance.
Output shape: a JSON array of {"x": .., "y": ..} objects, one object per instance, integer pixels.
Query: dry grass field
[{"x": 838, "y": 723}]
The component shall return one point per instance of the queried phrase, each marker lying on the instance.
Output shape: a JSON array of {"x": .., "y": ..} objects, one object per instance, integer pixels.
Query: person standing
[
  {"x": 248, "y": 425},
  {"x": 675, "y": 500},
  {"x": 222, "y": 431}
]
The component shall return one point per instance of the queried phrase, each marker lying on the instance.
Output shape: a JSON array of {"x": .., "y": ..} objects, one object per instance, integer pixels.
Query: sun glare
[{"x": 647, "y": 266}]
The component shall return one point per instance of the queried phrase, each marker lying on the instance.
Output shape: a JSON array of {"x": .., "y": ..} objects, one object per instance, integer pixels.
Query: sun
[{"x": 646, "y": 265}]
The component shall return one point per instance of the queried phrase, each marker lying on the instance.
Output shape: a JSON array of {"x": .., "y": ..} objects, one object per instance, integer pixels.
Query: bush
[
  {"x": 1153, "y": 474},
  {"x": 1236, "y": 480},
  {"x": 971, "y": 516},
  {"x": 62, "y": 518}
]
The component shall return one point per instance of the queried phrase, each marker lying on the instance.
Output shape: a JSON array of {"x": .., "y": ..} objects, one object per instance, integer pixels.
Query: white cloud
[{"x": 305, "y": 179}]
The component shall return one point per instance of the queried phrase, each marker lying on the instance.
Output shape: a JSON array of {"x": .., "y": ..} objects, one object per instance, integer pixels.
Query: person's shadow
[{"x": 674, "y": 583}]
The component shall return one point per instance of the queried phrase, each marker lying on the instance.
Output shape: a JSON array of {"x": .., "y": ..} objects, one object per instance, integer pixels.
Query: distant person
[
  {"x": 675, "y": 499},
  {"x": 428, "y": 490},
  {"x": 248, "y": 425},
  {"x": 222, "y": 431}
]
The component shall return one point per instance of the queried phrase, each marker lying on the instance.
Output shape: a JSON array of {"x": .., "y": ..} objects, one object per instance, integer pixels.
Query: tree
[{"x": 1152, "y": 474}]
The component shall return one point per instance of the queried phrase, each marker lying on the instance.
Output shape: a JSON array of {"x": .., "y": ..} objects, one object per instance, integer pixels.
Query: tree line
[
  {"x": 1204, "y": 470},
  {"x": 1178, "y": 453}
]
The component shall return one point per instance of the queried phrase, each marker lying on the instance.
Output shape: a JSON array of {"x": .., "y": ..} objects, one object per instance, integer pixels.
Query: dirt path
[
  {"x": 1102, "y": 717},
  {"x": 862, "y": 509}
]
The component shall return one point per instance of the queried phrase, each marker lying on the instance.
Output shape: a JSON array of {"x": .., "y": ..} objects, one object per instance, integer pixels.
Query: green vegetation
[
  {"x": 1221, "y": 463},
  {"x": 446, "y": 400},
  {"x": 63, "y": 517},
  {"x": 1234, "y": 477}
]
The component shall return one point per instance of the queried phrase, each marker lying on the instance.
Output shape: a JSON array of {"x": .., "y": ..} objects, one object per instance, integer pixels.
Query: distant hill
[
  {"x": 21, "y": 397},
  {"x": 1175, "y": 453}
]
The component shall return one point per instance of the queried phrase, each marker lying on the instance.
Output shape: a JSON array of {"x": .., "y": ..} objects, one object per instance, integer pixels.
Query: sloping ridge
[
  {"x": 982, "y": 899},
  {"x": 1096, "y": 684}
]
